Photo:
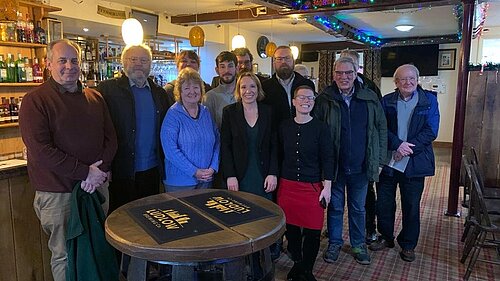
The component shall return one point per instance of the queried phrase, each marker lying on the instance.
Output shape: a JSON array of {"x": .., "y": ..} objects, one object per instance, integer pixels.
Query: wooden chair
[
  {"x": 484, "y": 228},
  {"x": 489, "y": 192}
]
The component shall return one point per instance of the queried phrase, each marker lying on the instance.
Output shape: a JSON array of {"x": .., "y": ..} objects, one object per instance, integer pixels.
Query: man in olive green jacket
[{"x": 359, "y": 133}]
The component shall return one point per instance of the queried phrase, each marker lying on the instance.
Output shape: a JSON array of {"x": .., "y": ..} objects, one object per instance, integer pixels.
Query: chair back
[
  {"x": 477, "y": 167},
  {"x": 477, "y": 203}
]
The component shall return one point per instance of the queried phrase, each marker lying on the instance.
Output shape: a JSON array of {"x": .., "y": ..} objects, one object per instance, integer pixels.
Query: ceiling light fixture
[
  {"x": 196, "y": 34},
  {"x": 238, "y": 40},
  {"x": 271, "y": 46},
  {"x": 132, "y": 32},
  {"x": 404, "y": 27},
  {"x": 85, "y": 29}
]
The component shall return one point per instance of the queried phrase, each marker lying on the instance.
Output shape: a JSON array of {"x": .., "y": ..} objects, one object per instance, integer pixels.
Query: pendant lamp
[
  {"x": 238, "y": 40},
  {"x": 196, "y": 34},
  {"x": 132, "y": 32},
  {"x": 271, "y": 46}
]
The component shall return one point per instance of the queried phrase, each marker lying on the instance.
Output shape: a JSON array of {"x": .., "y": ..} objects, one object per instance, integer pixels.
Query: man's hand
[
  {"x": 87, "y": 187},
  {"x": 96, "y": 177},
  {"x": 405, "y": 149},
  {"x": 232, "y": 184},
  {"x": 270, "y": 183}
]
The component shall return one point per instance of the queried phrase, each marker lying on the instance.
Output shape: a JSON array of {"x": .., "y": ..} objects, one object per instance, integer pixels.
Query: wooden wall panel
[
  {"x": 26, "y": 231},
  {"x": 481, "y": 123},
  {"x": 7, "y": 265}
]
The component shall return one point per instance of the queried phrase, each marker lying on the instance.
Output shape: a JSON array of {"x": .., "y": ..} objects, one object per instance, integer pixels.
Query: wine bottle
[
  {"x": 21, "y": 72},
  {"x": 28, "y": 69},
  {"x": 37, "y": 72},
  {"x": 11, "y": 69},
  {"x": 3, "y": 70}
]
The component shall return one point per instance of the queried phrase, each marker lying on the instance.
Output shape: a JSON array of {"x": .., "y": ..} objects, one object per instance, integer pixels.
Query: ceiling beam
[
  {"x": 332, "y": 46},
  {"x": 245, "y": 14}
]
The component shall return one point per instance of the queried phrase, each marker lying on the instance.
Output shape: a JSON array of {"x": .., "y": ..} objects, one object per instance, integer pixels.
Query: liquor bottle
[
  {"x": 21, "y": 73},
  {"x": 3, "y": 32},
  {"x": 14, "y": 110},
  {"x": 29, "y": 30},
  {"x": 37, "y": 72},
  {"x": 28, "y": 69},
  {"x": 21, "y": 28},
  {"x": 11, "y": 32},
  {"x": 46, "y": 72},
  {"x": 3, "y": 70},
  {"x": 88, "y": 52},
  {"x": 39, "y": 34},
  {"x": 4, "y": 111},
  {"x": 11, "y": 69}
]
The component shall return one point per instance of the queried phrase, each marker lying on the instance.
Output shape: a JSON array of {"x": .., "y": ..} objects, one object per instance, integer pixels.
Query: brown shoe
[
  {"x": 381, "y": 244},
  {"x": 407, "y": 255}
]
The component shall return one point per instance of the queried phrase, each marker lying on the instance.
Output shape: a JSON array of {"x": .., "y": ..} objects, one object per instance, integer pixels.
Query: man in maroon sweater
[{"x": 70, "y": 137}]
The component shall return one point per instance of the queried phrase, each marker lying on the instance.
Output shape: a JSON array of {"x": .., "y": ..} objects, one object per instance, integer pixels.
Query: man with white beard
[
  {"x": 279, "y": 88},
  {"x": 137, "y": 106}
]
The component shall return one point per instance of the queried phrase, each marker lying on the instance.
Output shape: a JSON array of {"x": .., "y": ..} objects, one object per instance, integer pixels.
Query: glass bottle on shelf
[
  {"x": 14, "y": 110},
  {"x": 21, "y": 28},
  {"x": 4, "y": 111},
  {"x": 3, "y": 32},
  {"x": 3, "y": 70},
  {"x": 28, "y": 69},
  {"x": 11, "y": 69},
  {"x": 39, "y": 34},
  {"x": 37, "y": 72},
  {"x": 11, "y": 32},
  {"x": 88, "y": 52},
  {"x": 21, "y": 71},
  {"x": 29, "y": 30}
]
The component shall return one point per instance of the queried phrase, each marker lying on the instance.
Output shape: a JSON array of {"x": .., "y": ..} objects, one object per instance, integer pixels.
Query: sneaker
[
  {"x": 381, "y": 244},
  {"x": 370, "y": 238},
  {"x": 361, "y": 255},
  {"x": 407, "y": 255},
  {"x": 332, "y": 253}
]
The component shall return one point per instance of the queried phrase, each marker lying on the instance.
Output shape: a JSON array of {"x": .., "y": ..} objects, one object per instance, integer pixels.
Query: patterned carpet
[{"x": 438, "y": 251}]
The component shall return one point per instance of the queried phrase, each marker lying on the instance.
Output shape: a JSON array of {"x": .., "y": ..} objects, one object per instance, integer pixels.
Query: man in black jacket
[
  {"x": 137, "y": 106},
  {"x": 279, "y": 88}
]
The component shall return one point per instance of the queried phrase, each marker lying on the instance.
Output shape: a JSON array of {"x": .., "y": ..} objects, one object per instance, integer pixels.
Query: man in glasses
[
  {"x": 137, "y": 106},
  {"x": 359, "y": 134},
  {"x": 280, "y": 87},
  {"x": 413, "y": 122}
]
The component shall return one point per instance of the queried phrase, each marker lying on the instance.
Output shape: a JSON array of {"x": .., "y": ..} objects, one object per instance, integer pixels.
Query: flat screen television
[
  {"x": 424, "y": 57},
  {"x": 148, "y": 21}
]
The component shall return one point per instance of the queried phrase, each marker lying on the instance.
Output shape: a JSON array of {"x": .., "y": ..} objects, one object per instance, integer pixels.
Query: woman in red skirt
[{"x": 307, "y": 161}]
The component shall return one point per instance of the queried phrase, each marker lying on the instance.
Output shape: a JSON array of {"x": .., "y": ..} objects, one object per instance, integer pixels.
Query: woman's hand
[
  {"x": 232, "y": 184},
  {"x": 204, "y": 174},
  {"x": 270, "y": 183},
  {"x": 326, "y": 192}
]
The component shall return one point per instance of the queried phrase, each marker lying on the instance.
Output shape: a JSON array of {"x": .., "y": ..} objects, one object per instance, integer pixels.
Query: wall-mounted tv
[
  {"x": 424, "y": 57},
  {"x": 148, "y": 21}
]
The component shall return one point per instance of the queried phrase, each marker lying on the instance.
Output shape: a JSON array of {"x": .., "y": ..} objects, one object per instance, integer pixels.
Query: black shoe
[
  {"x": 407, "y": 255},
  {"x": 381, "y": 244},
  {"x": 308, "y": 276},
  {"x": 370, "y": 238},
  {"x": 296, "y": 273}
]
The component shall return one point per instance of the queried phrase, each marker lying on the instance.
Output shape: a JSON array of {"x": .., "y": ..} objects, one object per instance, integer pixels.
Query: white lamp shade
[
  {"x": 295, "y": 52},
  {"x": 238, "y": 42},
  {"x": 132, "y": 32}
]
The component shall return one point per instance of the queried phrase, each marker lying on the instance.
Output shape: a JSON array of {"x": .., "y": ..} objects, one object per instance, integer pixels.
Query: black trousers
[
  {"x": 303, "y": 245},
  {"x": 370, "y": 208},
  {"x": 122, "y": 191}
]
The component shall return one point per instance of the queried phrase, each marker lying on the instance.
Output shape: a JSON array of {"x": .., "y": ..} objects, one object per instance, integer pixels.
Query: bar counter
[{"x": 25, "y": 256}]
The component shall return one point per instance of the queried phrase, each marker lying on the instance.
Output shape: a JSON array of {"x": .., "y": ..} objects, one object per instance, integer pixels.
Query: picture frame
[{"x": 447, "y": 58}]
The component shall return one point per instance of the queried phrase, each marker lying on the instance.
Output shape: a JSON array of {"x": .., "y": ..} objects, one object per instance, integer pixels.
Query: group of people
[{"x": 274, "y": 137}]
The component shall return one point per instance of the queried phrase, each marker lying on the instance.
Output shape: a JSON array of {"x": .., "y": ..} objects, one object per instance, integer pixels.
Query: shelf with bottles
[
  {"x": 9, "y": 125},
  {"x": 9, "y": 111},
  {"x": 20, "y": 84},
  {"x": 23, "y": 72},
  {"x": 22, "y": 44}
]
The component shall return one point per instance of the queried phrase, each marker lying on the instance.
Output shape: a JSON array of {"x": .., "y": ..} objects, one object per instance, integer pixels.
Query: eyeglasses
[
  {"x": 304, "y": 98},
  {"x": 407, "y": 79},
  {"x": 137, "y": 59},
  {"x": 282, "y": 59},
  {"x": 348, "y": 73}
]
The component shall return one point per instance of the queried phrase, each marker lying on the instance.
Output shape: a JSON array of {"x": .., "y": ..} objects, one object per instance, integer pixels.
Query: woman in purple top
[{"x": 189, "y": 137}]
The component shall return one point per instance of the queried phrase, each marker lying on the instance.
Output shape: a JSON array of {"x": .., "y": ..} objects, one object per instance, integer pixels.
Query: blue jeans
[
  {"x": 356, "y": 186},
  {"x": 411, "y": 192}
]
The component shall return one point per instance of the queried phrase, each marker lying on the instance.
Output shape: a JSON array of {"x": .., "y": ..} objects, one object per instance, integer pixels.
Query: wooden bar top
[{"x": 126, "y": 235}]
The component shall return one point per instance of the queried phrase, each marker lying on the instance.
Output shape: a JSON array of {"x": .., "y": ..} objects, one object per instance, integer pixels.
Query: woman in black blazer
[{"x": 248, "y": 142}]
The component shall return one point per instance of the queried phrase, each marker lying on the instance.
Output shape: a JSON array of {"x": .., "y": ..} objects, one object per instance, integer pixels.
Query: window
[{"x": 490, "y": 51}]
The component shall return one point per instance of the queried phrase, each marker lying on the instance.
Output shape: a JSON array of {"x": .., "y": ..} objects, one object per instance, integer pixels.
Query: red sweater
[{"x": 65, "y": 133}]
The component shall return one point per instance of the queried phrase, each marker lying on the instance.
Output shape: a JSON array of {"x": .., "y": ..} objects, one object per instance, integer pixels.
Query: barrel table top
[{"x": 126, "y": 235}]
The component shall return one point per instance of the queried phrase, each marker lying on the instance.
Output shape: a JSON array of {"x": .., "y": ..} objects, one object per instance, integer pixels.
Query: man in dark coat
[
  {"x": 137, "y": 106},
  {"x": 413, "y": 122}
]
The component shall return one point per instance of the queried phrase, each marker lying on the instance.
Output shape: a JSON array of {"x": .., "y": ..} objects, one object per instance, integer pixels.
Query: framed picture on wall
[{"x": 447, "y": 59}]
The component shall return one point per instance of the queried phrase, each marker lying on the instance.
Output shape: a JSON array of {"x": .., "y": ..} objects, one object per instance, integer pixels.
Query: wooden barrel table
[{"x": 228, "y": 246}]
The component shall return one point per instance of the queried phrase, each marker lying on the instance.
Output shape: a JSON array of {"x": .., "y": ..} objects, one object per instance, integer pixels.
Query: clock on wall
[{"x": 261, "y": 46}]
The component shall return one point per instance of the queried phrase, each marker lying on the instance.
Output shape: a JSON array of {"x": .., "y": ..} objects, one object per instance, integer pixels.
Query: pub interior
[{"x": 453, "y": 43}]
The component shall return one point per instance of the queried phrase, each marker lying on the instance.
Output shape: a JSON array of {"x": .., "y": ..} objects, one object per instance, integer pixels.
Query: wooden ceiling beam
[
  {"x": 332, "y": 46},
  {"x": 277, "y": 9}
]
